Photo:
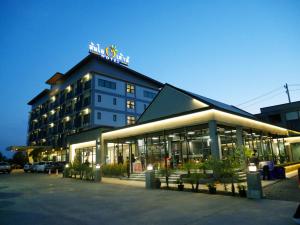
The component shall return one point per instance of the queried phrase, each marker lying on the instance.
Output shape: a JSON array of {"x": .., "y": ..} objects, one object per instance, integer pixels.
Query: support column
[
  {"x": 97, "y": 151},
  {"x": 101, "y": 152},
  {"x": 239, "y": 140},
  {"x": 214, "y": 140},
  {"x": 98, "y": 160}
]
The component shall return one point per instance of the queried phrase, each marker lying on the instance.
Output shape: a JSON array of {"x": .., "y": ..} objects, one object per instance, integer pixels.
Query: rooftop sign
[{"x": 110, "y": 53}]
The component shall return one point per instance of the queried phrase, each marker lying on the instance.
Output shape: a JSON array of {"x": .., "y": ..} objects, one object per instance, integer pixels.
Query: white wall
[
  {"x": 120, "y": 85},
  {"x": 140, "y": 93},
  {"x": 140, "y": 106},
  {"x": 107, "y": 118},
  {"x": 107, "y": 102}
]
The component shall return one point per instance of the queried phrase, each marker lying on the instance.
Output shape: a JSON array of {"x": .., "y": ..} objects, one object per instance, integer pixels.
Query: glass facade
[
  {"x": 176, "y": 147},
  {"x": 173, "y": 148},
  {"x": 87, "y": 155}
]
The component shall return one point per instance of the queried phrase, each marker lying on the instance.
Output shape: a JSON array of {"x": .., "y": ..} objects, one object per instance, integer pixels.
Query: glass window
[
  {"x": 130, "y": 120},
  {"x": 148, "y": 94},
  {"x": 99, "y": 98},
  {"x": 292, "y": 115},
  {"x": 107, "y": 84},
  {"x": 130, "y": 88},
  {"x": 130, "y": 104},
  {"x": 145, "y": 106},
  {"x": 115, "y": 117},
  {"x": 114, "y": 101},
  {"x": 99, "y": 115}
]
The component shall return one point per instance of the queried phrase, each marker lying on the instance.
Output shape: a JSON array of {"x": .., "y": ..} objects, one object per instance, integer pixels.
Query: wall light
[
  {"x": 68, "y": 89},
  {"x": 53, "y": 99}
]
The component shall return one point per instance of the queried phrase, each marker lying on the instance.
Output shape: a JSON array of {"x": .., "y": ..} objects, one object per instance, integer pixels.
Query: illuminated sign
[{"x": 110, "y": 53}]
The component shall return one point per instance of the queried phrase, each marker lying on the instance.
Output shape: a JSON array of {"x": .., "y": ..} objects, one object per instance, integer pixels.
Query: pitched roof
[
  {"x": 221, "y": 105},
  {"x": 54, "y": 79},
  {"x": 164, "y": 106}
]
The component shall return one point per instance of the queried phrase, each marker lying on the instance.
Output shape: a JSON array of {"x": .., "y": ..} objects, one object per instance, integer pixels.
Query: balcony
[
  {"x": 87, "y": 85},
  {"x": 70, "y": 95},
  {"x": 86, "y": 102}
]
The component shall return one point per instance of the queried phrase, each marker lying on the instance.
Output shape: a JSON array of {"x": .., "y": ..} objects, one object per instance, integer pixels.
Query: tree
[
  {"x": 20, "y": 158},
  {"x": 36, "y": 154},
  {"x": 2, "y": 157}
]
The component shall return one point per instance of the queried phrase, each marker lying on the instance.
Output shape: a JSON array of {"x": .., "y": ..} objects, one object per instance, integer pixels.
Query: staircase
[
  {"x": 141, "y": 177},
  {"x": 242, "y": 176}
]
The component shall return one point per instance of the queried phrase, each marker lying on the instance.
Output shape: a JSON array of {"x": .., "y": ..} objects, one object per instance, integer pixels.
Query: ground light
[
  {"x": 254, "y": 183},
  {"x": 98, "y": 173},
  {"x": 150, "y": 167},
  {"x": 150, "y": 177},
  {"x": 252, "y": 167}
]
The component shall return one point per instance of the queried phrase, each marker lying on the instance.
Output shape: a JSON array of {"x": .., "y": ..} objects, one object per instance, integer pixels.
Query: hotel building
[{"x": 96, "y": 92}]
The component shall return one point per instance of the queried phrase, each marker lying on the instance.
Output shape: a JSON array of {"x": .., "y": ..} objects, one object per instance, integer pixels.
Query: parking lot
[{"x": 43, "y": 199}]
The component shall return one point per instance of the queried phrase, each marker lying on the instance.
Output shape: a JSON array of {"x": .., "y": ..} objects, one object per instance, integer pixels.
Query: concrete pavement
[{"x": 42, "y": 199}]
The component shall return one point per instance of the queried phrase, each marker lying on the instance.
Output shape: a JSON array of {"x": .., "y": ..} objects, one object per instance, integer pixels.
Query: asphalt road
[{"x": 38, "y": 199}]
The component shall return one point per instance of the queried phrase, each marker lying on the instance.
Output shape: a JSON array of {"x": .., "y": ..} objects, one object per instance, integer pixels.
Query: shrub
[{"x": 113, "y": 170}]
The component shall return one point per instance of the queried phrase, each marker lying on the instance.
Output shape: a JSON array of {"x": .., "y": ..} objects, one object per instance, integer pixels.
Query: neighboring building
[
  {"x": 285, "y": 115},
  {"x": 95, "y": 92}
]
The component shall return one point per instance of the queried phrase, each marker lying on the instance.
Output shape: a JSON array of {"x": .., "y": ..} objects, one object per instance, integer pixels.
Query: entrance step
[{"x": 141, "y": 177}]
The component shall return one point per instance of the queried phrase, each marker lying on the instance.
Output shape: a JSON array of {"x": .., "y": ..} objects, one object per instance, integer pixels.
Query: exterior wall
[
  {"x": 107, "y": 118},
  {"x": 278, "y": 115},
  {"x": 39, "y": 132},
  {"x": 119, "y": 94}
]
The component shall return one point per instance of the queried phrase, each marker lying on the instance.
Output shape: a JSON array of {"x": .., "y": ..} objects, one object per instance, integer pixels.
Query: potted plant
[
  {"x": 180, "y": 184},
  {"x": 212, "y": 188},
  {"x": 242, "y": 190}
]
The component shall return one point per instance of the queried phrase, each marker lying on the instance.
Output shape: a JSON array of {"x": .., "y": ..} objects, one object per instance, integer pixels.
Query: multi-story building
[
  {"x": 95, "y": 92},
  {"x": 285, "y": 115}
]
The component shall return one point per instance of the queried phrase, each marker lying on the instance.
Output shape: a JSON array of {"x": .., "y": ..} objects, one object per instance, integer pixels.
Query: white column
[{"x": 214, "y": 140}]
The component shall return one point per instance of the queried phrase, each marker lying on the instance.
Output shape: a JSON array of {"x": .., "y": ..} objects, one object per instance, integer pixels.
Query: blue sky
[{"x": 230, "y": 51}]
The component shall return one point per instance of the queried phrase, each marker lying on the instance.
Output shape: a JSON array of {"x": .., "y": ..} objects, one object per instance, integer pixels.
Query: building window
[
  {"x": 276, "y": 118},
  {"x": 115, "y": 117},
  {"x": 130, "y": 88},
  {"x": 107, "y": 84},
  {"x": 148, "y": 94},
  {"x": 99, "y": 98},
  {"x": 292, "y": 116},
  {"x": 130, "y": 120},
  {"x": 114, "y": 101},
  {"x": 99, "y": 115},
  {"x": 145, "y": 106},
  {"x": 130, "y": 104}
]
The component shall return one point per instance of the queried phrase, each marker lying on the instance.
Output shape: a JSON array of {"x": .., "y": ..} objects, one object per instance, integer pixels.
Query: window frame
[
  {"x": 99, "y": 113},
  {"x": 130, "y": 104},
  {"x": 130, "y": 88}
]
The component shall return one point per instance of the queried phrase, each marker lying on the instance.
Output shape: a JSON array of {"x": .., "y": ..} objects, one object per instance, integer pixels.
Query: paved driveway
[{"x": 42, "y": 199}]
